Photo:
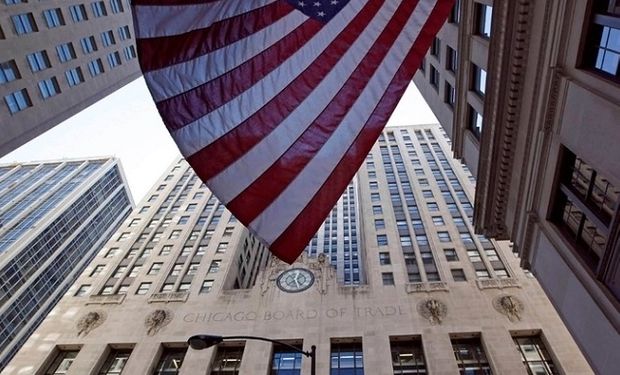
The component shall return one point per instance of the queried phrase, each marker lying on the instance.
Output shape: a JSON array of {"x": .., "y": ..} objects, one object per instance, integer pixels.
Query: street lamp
[{"x": 199, "y": 342}]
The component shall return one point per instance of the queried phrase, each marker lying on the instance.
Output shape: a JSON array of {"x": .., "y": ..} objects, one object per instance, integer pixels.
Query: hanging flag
[{"x": 276, "y": 103}]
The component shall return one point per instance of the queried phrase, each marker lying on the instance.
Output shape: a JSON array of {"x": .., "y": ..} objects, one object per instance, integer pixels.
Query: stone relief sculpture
[
  {"x": 156, "y": 320},
  {"x": 90, "y": 321},
  {"x": 433, "y": 310},
  {"x": 510, "y": 306}
]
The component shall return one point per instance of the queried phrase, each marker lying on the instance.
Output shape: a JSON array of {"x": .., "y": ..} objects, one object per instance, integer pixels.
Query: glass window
[
  {"x": 452, "y": 61},
  {"x": 384, "y": 258},
  {"x": 470, "y": 356},
  {"x": 479, "y": 80},
  {"x": 97, "y": 270},
  {"x": 74, "y": 76},
  {"x": 83, "y": 290},
  {"x": 227, "y": 360},
  {"x": 458, "y": 274},
  {"x": 377, "y": 210},
  {"x": 475, "y": 122},
  {"x": 407, "y": 357},
  {"x": 63, "y": 361},
  {"x": 535, "y": 356},
  {"x": 114, "y": 59},
  {"x": 107, "y": 37},
  {"x": 206, "y": 286},
  {"x": 130, "y": 52},
  {"x": 18, "y": 101},
  {"x": 483, "y": 18},
  {"x": 143, "y": 288},
  {"x": 115, "y": 362},
  {"x": 78, "y": 13},
  {"x": 24, "y": 23},
  {"x": 451, "y": 255},
  {"x": 116, "y": 6},
  {"x": 434, "y": 77},
  {"x": 388, "y": 278},
  {"x": 66, "y": 52},
  {"x": 124, "y": 33},
  {"x": 602, "y": 47},
  {"x": 215, "y": 266},
  {"x": 455, "y": 15},
  {"x": 38, "y": 61},
  {"x": 285, "y": 361},
  {"x": 347, "y": 359},
  {"x": 9, "y": 71},
  {"x": 49, "y": 87},
  {"x": 170, "y": 361},
  {"x": 53, "y": 17},
  {"x": 382, "y": 240},
  {"x": 89, "y": 44},
  {"x": 99, "y": 9},
  {"x": 449, "y": 94},
  {"x": 435, "y": 47}
]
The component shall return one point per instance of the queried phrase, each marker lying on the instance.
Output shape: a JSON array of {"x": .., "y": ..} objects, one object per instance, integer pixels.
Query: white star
[
  {"x": 321, "y": 14},
  {"x": 334, "y": 2},
  {"x": 301, "y": 4},
  {"x": 317, "y": 4}
]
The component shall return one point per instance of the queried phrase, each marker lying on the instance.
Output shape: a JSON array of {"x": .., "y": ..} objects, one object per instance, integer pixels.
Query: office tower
[
  {"x": 54, "y": 216},
  {"x": 57, "y": 58},
  {"x": 435, "y": 297},
  {"x": 528, "y": 91}
]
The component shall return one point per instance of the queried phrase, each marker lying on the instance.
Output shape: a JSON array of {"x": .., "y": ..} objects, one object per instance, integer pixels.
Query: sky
[{"x": 126, "y": 124}]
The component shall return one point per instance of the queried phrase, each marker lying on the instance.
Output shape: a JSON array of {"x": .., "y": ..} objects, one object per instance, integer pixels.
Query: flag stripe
[
  {"x": 173, "y": 19},
  {"x": 274, "y": 220},
  {"x": 169, "y": 2},
  {"x": 254, "y": 199},
  {"x": 252, "y": 164},
  {"x": 173, "y": 80},
  {"x": 185, "y": 108},
  {"x": 309, "y": 220},
  {"x": 291, "y": 105},
  {"x": 157, "y": 53},
  {"x": 207, "y": 129}
]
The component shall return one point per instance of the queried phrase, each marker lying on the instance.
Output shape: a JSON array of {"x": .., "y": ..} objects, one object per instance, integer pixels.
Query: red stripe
[
  {"x": 295, "y": 238},
  {"x": 262, "y": 192},
  {"x": 160, "y": 52},
  {"x": 246, "y": 135},
  {"x": 195, "y": 103}
]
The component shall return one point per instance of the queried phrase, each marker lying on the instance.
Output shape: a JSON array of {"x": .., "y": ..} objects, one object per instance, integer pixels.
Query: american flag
[{"x": 276, "y": 103}]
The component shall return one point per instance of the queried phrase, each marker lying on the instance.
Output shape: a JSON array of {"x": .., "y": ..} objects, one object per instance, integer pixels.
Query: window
[
  {"x": 482, "y": 275},
  {"x": 483, "y": 20},
  {"x": 89, "y": 45},
  {"x": 9, "y": 71},
  {"x": 143, "y": 288},
  {"x": 63, "y": 361},
  {"x": 174, "y": 234},
  {"x": 99, "y": 9},
  {"x": 206, "y": 286},
  {"x": 285, "y": 361},
  {"x": 116, "y": 6},
  {"x": 83, "y": 290},
  {"x": 134, "y": 271},
  {"x": 602, "y": 51},
  {"x": 470, "y": 356},
  {"x": 155, "y": 268},
  {"x": 451, "y": 255},
  {"x": 191, "y": 207},
  {"x": 475, "y": 122},
  {"x": 165, "y": 250},
  {"x": 449, "y": 94},
  {"x": 53, "y": 17},
  {"x": 191, "y": 270},
  {"x": 38, "y": 61},
  {"x": 115, "y": 362},
  {"x": 384, "y": 258},
  {"x": 124, "y": 33},
  {"x": 347, "y": 359},
  {"x": 382, "y": 240},
  {"x": 375, "y": 197},
  {"x": 444, "y": 236},
  {"x": 585, "y": 209},
  {"x": 49, "y": 87},
  {"x": 107, "y": 37},
  {"x": 66, "y": 52},
  {"x": 377, "y": 210},
  {"x": 227, "y": 360},
  {"x": 407, "y": 357},
  {"x": 183, "y": 220},
  {"x": 228, "y": 232},
  {"x": 388, "y": 278},
  {"x": 433, "y": 77},
  {"x": 455, "y": 15},
  {"x": 170, "y": 361},
  {"x": 438, "y": 221},
  {"x": 114, "y": 59},
  {"x": 478, "y": 79},
  {"x": 458, "y": 274},
  {"x": 119, "y": 271},
  {"x": 74, "y": 76},
  {"x": 18, "y": 101},
  {"x": 107, "y": 290},
  {"x": 432, "y": 206},
  {"x": 112, "y": 252},
  {"x": 379, "y": 224},
  {"x": 78, "y": 13},
  {"x": 97, "y": 270},
  {"x": 215, "y": 266},
  {"x": 221, "y": 247},
  {"x": 435, "y": 47},
  {"x": 535, "y": 356},
  {"x": 24, "y": 23},
  {"x": 123, "y": 236},
  {"x": 184, "y": 287}
]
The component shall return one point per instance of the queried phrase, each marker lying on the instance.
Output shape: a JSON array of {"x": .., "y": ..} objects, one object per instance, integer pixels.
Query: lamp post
[{"x": 199, "y": 342}]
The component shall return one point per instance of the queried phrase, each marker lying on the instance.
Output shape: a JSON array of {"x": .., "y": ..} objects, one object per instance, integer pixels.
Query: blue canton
[{"x": 321, "y": 10}]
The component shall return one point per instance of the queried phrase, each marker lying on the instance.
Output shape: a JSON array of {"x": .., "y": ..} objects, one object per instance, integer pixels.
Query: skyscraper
[
  {"x": 528, "y": 92},
  {"x": 54, "y": 216},
  {"x": 57, "y": 58},
  {"x": 435, "y": 297}
]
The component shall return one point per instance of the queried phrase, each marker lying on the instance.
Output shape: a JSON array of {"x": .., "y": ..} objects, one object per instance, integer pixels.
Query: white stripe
[
  {"x": 196, "y": 135},
  {"x": 239, "y": 175},
  {"x": 176, "y": 79},
  {"x": 155, "y": 21},
  {"x": 276, "y": 218}
]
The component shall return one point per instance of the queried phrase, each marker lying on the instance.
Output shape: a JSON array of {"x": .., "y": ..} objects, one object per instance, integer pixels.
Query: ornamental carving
[
  {"x": 156, "y": 320},
  {"x": 433, "y": 310},
  {"x": 90, "y": 321},
  {"x": 510, "y": 306}
]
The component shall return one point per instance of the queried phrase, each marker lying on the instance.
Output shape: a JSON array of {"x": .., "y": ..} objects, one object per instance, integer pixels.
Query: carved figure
[
  {"x": 433, "y": 310},
  {"x": 157, "y": 320},
  {"x": 90, "y": 321},
  {"x": 510, "y": 306}
]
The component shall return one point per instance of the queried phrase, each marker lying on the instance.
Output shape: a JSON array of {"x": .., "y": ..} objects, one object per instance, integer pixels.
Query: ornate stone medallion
[
  {"x": 433, "y": 310},
  {"x": 156, "y": 320},
  {"x": 510, "y": 306},
  {"x": 90, "y": 321}
]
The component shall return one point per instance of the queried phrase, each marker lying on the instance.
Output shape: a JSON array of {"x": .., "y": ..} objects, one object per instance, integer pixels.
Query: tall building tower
[
  {"x": 57, "y": 58},
  {"x": 54, "y": 217},
  {"x": 528, "y": 92},
  {"x": 435, "y": 297}
]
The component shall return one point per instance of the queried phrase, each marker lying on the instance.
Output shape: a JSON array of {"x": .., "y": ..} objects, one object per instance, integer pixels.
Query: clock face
[{"x": 295, "y": 280}]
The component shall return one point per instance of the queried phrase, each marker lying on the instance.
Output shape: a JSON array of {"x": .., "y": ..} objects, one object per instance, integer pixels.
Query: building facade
[
  {"x": 57, "y": 58},
  {"x": 54, "y": 216},
  {"x": 435, "y": 298},
  {"x": 532, "y": 107}
]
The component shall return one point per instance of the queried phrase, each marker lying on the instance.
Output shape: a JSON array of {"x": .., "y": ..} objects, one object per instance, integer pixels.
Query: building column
[
  {"x": 88, "y": 360},
  {"x": 143, "y": 357},
  {"x": 197, "y": 361},
  {"x": 323, "y": 355},
  {"x": 377, "y": 354},
  {"x": 501, "y": 351},
  {"x": 256, "y": 358},
  {"x": 438, "y": 353}
]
